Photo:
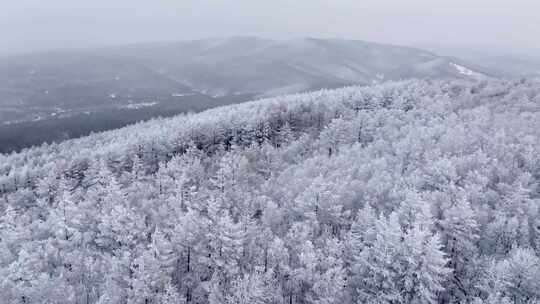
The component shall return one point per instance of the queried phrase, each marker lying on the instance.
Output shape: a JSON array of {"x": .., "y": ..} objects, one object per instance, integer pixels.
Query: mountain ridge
[
  {"x": 344, "y": 61},
  {"x": 72, "y": 93}
]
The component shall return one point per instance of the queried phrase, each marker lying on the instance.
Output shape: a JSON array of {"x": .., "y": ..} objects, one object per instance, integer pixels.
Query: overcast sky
[{"x": 440, "y": 25}]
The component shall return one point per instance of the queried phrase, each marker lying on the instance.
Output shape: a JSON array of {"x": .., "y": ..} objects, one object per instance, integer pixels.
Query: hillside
[
  {"x": 404, "y": 192},
  {"x": 69, "y": 94},
  {"x": 505, "y": 64},
  {"x": 83, "y": 79},
  {"x": 268, "y": 67}
]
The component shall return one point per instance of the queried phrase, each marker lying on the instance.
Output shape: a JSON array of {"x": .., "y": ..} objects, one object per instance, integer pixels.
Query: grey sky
[{"x": 30, "y": 25}]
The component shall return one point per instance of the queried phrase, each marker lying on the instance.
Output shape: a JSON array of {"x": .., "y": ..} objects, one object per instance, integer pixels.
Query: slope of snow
[
  {"x": 261, "y": 66},
  {"x": 135, "y": 106},
  {"x": 466, "y": 71}
]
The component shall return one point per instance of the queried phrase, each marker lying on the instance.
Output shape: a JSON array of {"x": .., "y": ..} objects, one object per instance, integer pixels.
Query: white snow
[
  {"x": 135, "y": 106},
  {"x": 465, "y": 71},
  {"x": 182, "y": 94}
]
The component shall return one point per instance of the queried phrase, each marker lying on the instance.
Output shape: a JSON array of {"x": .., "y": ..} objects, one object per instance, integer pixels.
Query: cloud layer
[{"x": 30, "y": 25}]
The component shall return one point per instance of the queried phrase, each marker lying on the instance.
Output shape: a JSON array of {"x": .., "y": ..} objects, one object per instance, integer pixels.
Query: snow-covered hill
[
  {"x": 404, "y": 192},
  {"x": 68, "y": 94},
  {"x": 238, "y": 65},
  {"x": 268, "y": 67},
  {"x": 428, "y": 188}
]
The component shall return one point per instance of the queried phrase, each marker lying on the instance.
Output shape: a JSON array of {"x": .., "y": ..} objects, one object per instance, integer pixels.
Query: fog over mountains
[
  {"x": 268, "y": 67},
  {"x": 72, "y": 93}
]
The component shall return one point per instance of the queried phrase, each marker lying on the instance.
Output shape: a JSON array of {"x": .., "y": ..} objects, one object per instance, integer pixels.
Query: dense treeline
[
  {"x": 408, "y": 192},
  {"x": 17, "y": 136}
]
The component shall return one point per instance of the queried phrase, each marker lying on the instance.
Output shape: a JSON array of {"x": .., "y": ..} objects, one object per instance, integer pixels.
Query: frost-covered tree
[
  {"x": 404, "y": 192},
  {"x": 459, "y": 230},
  {"x": 515, "y": 278},
  {"x": 401, "y": 266}
]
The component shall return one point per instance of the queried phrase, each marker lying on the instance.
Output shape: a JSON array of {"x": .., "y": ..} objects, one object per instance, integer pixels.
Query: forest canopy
[{"x": 406, "y": 192}]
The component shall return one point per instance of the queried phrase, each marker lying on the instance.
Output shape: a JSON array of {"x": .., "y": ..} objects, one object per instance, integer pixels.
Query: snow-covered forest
[{"x": 405, "y": 192}]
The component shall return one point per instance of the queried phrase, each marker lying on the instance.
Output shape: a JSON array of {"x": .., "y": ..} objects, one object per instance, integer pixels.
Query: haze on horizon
[{"x": 444, "y": 26}]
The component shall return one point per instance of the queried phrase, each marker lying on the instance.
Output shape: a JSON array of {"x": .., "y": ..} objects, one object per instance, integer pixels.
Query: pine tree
[
  {"x": 425, "y": 269},
  {"x": 459, "y": 231},
  {"x": 415, "y": 210},
  {"x": 216, "y": 290},
  {"x": 121, "y": 227},
  {"x": 285, "y": 135},
  {"x": 117, "y": 279},
  {"x": 401, "y": 265},
  {"x": 337, "y": 134},
  {"x": 170, "y": 295},
  {"x": 517, "y": 277},
  {"x": 150, "y": 277},
  {"x": 362, "y": 230},
  {"x": 247, "y": 289},
  {"x": 330, "y": 279},
  {"x": 226, "y": 240},
  {"x": 378, "y": 267},
  {"x": 319, "y": 200}
]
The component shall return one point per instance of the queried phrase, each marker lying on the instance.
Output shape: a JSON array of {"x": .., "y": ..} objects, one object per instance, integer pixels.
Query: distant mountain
[
  {"x": 238, "y": 65},
  {"x": 266, "y": 67},
  {"x": 511, "y": 65},
  {"x": 71, "y": 93}
]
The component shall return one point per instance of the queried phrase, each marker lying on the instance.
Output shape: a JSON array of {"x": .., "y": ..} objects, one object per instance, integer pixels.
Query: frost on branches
[{"x": 406, "y": 192}]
